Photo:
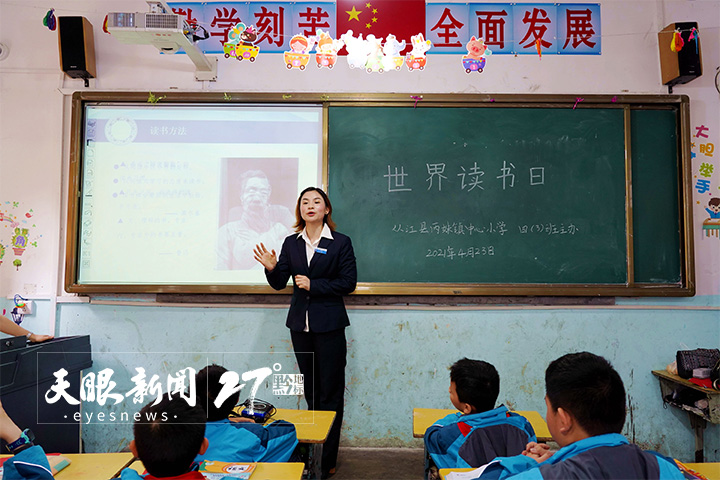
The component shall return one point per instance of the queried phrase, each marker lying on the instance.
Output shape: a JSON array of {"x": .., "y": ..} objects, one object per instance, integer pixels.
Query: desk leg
[
  {"x": 698, "y": 425},
  {"x": 314, "y": 462}
]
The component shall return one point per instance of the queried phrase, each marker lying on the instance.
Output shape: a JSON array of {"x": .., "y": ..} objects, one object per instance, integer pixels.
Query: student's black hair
[
  {"x": 589, "y": 388},
  {"x": 476, "y": 382},
  {"x": 168, "y": 436},
  {"x": 207, "y": 382}
]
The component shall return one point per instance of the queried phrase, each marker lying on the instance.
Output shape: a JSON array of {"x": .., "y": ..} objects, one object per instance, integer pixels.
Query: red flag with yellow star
[{"x": 402, "y": 18}]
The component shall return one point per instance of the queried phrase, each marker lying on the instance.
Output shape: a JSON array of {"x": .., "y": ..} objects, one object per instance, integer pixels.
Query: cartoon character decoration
[
  {"x": 416, "y": 59},
  {"x": 2, "y": 252},
  {"x": 357, "y": 49},
  {"x": 20, "y": 240},
  {"x": 474, "y": 61},
  {"x": 391, "y": 51},
  {"x": 713, "y": 208},
  {"x": 299, "y": 56},
  {"x": 711, "y": 226},
  {"x": 326, "y": 50},
  {"x": 374, "y": 59},
  {"x": 241, "y": 42}
]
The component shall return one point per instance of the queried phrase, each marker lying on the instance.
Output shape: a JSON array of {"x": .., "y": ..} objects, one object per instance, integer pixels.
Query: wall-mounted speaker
[
  {"x": 77, "y": 47},
  {"x": 685, "y": 64}
]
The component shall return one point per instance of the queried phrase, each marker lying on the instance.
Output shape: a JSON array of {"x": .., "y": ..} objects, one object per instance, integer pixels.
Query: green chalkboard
[
  {"x": 442, "y": 194},
  {"x": 655, "y": 173},
  {"x": 505, "y": 195}
]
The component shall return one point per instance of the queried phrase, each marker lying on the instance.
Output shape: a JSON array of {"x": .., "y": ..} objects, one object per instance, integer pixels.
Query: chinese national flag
[{"x": 402, "y": 18}]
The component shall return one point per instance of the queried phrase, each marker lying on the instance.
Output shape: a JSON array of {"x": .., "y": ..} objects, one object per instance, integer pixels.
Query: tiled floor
[{"x": 379, "y": 464}]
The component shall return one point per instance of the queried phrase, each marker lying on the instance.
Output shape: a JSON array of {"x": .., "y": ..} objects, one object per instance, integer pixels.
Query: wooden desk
[
  {"x": 312, "y": 426},
  {"x": 92, "y": 466},
  {"x": 710, "y": 470},
  {"x": 424, "y": 417},
  {"x": 698, "y": 418},
  {"x": 263, "y": 471}
]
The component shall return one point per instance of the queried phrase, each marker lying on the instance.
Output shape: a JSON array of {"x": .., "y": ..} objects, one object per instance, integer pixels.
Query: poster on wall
[{"x": 706, "y": 189}]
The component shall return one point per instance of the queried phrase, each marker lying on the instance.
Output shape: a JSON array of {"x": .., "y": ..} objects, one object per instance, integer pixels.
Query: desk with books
[{"x": 103, "y": 466}]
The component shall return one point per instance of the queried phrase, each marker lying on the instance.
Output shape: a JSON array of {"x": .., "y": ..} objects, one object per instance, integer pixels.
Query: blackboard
[
  {"x": 510, "y": 199},
  {"x": 535, "y": 195}
]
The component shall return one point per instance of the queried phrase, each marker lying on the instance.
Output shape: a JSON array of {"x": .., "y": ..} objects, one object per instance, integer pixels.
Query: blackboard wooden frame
[{"x": 627, "y": 103}]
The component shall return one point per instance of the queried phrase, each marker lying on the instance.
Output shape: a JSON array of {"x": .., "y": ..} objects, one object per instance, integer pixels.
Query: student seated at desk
[
  {"x": 166, "y": 445},
  {"x": 239, "y": 439},
  {"x": 29, "y": 460},
  {"x": 168, "y": 436},
  {"x": 585, "y": 400},
  {"x": 478, "y": 432}
]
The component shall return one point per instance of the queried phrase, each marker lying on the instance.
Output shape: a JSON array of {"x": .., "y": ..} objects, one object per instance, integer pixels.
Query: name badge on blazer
[{"x": 321, "y": 250}]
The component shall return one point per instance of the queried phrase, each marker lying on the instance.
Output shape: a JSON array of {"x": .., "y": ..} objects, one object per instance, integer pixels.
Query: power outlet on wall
[{"x": 26, "y": 309}]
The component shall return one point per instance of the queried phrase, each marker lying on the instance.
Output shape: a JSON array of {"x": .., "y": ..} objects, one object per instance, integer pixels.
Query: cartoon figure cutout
[
  {"x": 357, "y": 49},
  {"x": 241, "y": 43},
  {"x": 374, "y": 59},
  {"x": 391, "y": 51},
  {"x": 416, "y": 59},
  {"x": 711, "y": 226},
  {"x": 299, "y": 56},
  {"x": 474, "y": 61},
  {"x": 326, "y": 50}
]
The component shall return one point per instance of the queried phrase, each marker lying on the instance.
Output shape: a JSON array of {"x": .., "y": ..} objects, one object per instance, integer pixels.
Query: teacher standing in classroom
[{"x": 321, "y": 262}]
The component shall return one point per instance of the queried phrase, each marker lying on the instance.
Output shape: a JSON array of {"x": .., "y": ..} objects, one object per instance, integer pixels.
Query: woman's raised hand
[{"x": 268, "y": 259}]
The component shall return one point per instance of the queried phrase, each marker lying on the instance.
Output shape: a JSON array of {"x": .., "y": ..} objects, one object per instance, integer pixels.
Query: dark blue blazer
[{"x": 332, "y": 275}]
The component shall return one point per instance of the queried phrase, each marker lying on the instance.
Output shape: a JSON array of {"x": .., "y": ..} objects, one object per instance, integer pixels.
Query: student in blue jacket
[
  {"x": 29, "y": 460},
  {"x": 167, "y": 436},
  {"x": 585, "y": 400},
  {"x": 239, "y": 439},
  {"x": 479, "y": 432},
  {"x": 321, "y": 262}
]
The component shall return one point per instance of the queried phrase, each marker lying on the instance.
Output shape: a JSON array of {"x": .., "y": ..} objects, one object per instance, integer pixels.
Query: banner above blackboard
[{"x": 507, "y": 28}]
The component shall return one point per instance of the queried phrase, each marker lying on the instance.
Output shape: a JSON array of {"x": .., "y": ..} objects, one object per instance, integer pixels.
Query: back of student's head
[
  {"x": 476, "y": 382},
  {"x": 589, "y": 388},
  {"x": 207, "y": 382},
  {"x": 168, "y": 436}
]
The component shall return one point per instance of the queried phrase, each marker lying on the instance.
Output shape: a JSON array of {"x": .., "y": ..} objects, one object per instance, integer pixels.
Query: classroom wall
[{"x": 402, "y": 353}]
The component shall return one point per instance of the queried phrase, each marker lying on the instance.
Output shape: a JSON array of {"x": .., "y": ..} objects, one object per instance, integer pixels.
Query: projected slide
[{"x": 179, "y": 194}]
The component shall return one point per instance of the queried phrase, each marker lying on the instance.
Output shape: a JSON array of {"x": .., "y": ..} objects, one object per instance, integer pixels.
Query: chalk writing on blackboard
[
  {"x": 469, "y": 252},
  {"x": 499, "y": 227},
  {"x": 469, "y": 179},
  {"x": 549, "y": 229}
]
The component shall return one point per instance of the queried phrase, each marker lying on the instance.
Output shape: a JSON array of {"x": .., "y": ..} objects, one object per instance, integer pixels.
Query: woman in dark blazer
[{"x": 321, "y": 262}]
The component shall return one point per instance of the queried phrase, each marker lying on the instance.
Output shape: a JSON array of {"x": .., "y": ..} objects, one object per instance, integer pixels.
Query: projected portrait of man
[{"x": 255, "y": 220}]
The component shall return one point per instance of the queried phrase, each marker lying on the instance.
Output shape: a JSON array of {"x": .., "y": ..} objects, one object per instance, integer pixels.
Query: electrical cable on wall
[{"x": 15, "y": 312}]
